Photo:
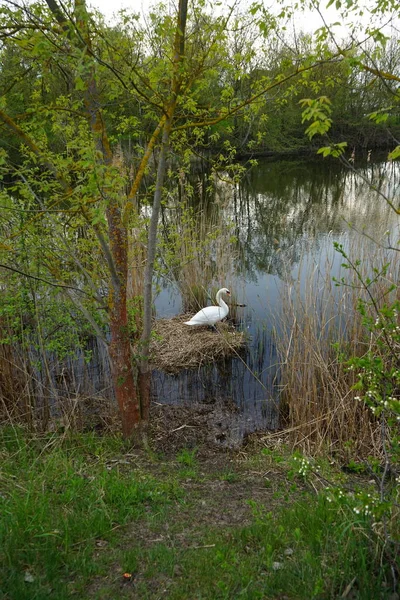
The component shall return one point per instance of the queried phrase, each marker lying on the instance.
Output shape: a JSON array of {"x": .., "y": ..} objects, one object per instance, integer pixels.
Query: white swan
[{"x": 211, "y": 314}]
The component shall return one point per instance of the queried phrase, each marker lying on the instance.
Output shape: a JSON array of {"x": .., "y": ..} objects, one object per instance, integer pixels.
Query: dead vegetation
[
  {"x": 320, "y": 327},
  {"x": 206, "y": 427},
  {"x": 176, "y": 346}
]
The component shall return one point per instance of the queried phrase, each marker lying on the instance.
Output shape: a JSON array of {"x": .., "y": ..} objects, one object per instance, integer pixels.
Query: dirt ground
[
  {"x": 226, "y": 474},
  {"x": 227, "y": 477},
  {"x": 205, "y": 426},
  {"x": 221, "y": 485}
]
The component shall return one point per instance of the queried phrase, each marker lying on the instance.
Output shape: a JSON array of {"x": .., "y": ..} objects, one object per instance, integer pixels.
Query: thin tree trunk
[
  {"x": 144, "y": 379},
  {"x": 117, "y": 259},
  {"x": 145, "y": 373}
]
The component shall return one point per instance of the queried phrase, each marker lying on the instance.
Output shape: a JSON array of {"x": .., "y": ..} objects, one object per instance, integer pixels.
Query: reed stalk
[
  {"x": 317, "y": 329},
  {"x": 201, "y": 252}
]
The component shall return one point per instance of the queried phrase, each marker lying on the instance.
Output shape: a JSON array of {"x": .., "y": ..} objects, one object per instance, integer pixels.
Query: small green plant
[
  {"x": 355, "y": 467},
  {"x": 377, "y": 384},
  {"x": 230, "y": 476},
  {"x": 274, "y": 454},
  {"x": 187, "y": 457},
  {"x": 317, "y": 111},
  {"x": 135, "y": 314}
]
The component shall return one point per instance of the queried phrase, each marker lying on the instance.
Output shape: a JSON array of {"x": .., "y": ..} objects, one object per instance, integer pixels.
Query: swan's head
[{"x": 224, "y": 291}]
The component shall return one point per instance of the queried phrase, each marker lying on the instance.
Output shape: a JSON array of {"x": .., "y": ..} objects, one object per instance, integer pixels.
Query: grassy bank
[{"x": 79, "y": 512}]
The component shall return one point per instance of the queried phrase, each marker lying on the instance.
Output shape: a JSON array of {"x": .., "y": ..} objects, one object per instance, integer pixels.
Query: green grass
[
  {"x": 57, "y": 499},
  {"x": 187, "y": 457},
  {"x": 79, "y": 512},
  {"x": 302, "y": 552}
]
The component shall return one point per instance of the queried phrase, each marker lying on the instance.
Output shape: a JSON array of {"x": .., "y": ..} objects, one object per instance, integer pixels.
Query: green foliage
[
  {"x": 187, "y": 457},
  {"x": 394, "y": 153},
  {"x": 335, "y": 150},
  {"x": 78, "y": 512},
  {"x": 315, "y": 547},
  {"x": 67, "y": 167},
  {"x": 318, "y": 112},
  {"x": 380, "y": 116},
  {"x": 377, "y": 384},
  {"x": 41, "y": 319},
  {"x": 378, "y": 377},
  {"x": 135, "y": 313}
]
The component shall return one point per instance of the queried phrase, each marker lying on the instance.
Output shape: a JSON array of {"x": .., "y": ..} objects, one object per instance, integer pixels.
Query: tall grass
[
  {"x": 200, "y": 252},
  {"x": 319, "y": 327}
]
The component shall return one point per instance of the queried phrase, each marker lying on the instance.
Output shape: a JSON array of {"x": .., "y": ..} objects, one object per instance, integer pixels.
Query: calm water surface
[{"x": 285, "y": 216}]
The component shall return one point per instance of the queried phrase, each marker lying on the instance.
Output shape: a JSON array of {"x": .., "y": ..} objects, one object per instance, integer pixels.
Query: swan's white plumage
[{"x": 211, "y": 314}]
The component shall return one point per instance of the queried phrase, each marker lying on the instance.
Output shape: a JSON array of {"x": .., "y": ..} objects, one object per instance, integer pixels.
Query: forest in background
[{"x": 256, "y": 70}]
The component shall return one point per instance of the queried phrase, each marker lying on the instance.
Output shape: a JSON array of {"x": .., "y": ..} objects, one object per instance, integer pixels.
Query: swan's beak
[{"x": 227, "y": 293}]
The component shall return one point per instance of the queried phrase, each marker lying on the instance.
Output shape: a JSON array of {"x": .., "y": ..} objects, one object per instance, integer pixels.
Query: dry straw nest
[{"x": 176, "y": 346}]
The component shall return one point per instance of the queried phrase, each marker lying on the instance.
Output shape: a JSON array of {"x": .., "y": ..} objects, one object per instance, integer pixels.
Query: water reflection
[
  {"x": 285, "y": 215},
  {"x": 284, "y": 207}
]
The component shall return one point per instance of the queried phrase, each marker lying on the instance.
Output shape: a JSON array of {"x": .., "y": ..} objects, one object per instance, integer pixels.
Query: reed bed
[
  {"x": 199, "y": 251},
  {"x": 176, "y": 346},
  {"x": 15, "y": 386},
  {"x": 319, "y": 327},
  {"x": 45, "y": 392}
]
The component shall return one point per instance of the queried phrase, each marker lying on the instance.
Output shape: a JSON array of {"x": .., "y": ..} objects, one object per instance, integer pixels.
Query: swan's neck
[{"x": 221, "y": 302}]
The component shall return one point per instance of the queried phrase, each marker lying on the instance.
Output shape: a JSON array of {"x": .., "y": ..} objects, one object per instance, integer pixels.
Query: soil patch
[
  {"x": 203, "y": 426},
  {"x": 219, "y": 497}
]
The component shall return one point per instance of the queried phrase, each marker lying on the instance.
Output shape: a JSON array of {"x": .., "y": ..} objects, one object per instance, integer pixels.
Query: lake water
[{"x": 285, "y": 216}]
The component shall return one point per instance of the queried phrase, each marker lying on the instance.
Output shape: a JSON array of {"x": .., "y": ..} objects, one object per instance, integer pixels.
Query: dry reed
[
  {"x": 317, "y": 321},
  {"x": 15, "y": 387},
  {"x": 176, "y": 346},
  {"x": 201, "y": 253},
  {"x": 63, "y": 394}
]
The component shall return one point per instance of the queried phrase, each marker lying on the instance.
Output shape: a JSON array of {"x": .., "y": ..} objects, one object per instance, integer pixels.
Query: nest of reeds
[{"x": 176, "y": 346}]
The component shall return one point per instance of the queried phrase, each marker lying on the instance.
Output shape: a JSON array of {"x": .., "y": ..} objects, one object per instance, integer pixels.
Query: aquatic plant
[
  {"x": 322, "y": 325},
  {"x": 199, "y": 250}
]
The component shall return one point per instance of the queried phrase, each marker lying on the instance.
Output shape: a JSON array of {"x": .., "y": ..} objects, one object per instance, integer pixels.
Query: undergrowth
[
  {"x": 57, "y": 500},
  {"x": 83, "y": 517}
]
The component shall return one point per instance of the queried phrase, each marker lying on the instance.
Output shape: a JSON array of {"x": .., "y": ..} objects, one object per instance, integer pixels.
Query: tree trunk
[
  {"x": 179, "y": 50},
  {"x": 145, "y": 374},
  {"x": 120, "y": 347},
  {"x": 117, "y": 259}
]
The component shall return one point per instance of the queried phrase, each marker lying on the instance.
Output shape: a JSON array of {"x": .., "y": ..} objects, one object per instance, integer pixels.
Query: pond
[{"x": 280, "y": 223}]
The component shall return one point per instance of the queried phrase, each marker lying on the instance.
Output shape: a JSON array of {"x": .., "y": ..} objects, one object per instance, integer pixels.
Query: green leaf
[
  {"x": 79, "y": 84},
  {"x": 394, "y": 153}
]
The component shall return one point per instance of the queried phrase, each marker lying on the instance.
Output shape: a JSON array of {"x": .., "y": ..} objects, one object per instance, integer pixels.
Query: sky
[
  {"x": 308, "y": 21},
  {"x": 303, "y": 21},
  {"x": 142, "y": 6},
  {"x": 107, "y": 7}
]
